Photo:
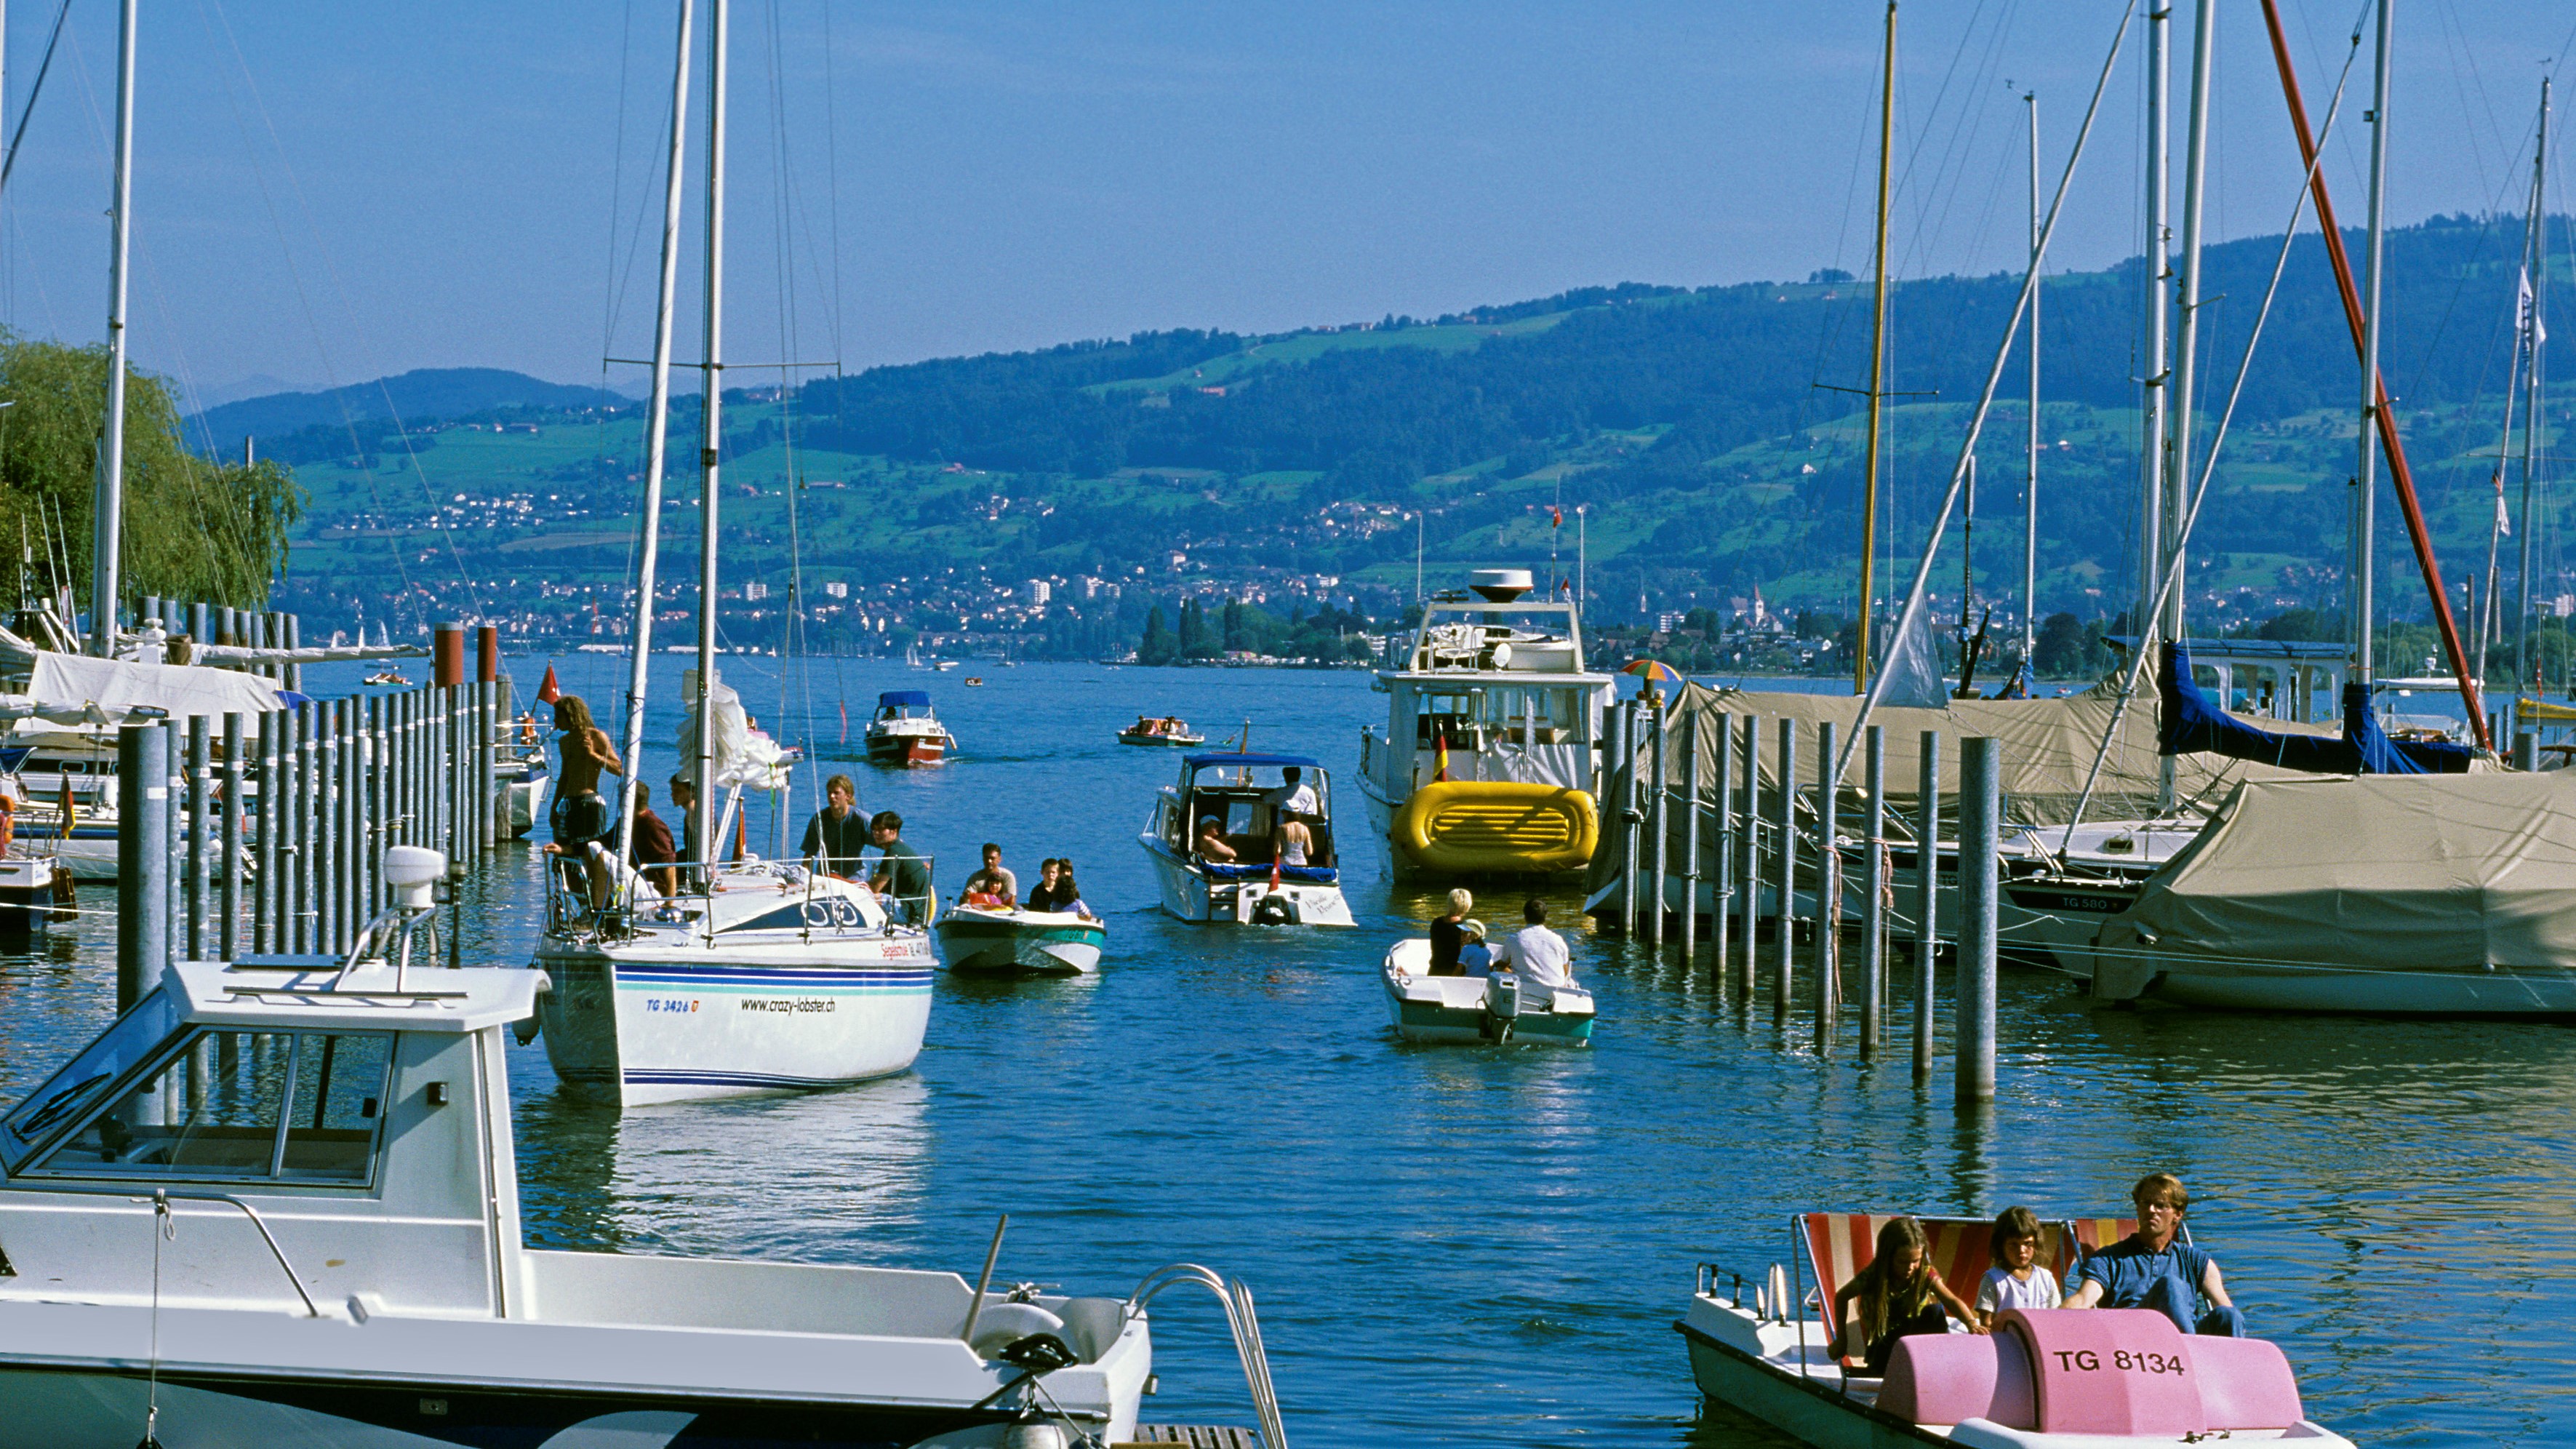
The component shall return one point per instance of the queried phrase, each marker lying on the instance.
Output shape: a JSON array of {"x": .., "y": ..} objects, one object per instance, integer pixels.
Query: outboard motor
[
  {"x": 1274, "y": 909},
  {"x": 1502, "y": 1006}
]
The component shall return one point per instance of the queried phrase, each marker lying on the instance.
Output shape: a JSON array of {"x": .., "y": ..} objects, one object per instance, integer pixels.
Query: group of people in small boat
[
  {"x": 1158, "y": 725},
  {"x": 996, "y": 888},
  {"x": 1294, "y": 810},
  {"x": 1900, "y": 1294},
  {"x": 1535, "y": 953}
]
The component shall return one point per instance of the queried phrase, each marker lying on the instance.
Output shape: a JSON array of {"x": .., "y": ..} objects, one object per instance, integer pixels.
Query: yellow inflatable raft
[{"x": 1496, "y": 825}]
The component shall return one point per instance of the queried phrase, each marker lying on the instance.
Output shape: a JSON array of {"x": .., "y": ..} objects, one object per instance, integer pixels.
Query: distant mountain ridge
[{"x": 416, "y": 396}]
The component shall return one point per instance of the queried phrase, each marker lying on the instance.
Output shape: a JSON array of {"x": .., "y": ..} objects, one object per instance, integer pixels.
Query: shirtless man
[{"x": 580, "y": 815}]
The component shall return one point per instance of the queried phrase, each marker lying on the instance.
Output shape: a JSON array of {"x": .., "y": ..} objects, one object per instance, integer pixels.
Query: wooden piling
[
  {"x": 1980, "y": 809},
  {"x": 1927, "y": 896},
  {"x": 1748, "y": 881},
  {"x": 228, "y": 941},
  {"x": 142, "y": 860},
  {"x": 1615, "y": 802},
  {"x": 1873, "y": 911},
  {"x": 1826, "y": 961},
  {"x": 1690, "y": 835},
  {"x": 1721, "y": 883},
  {"x": 2526, "y": 750},
  {"x": 1787, "y": 827},
  {"x": 326, "y": 826},
  {"x": 300, "y": 831},
  {"x": 263, "y": 886}
]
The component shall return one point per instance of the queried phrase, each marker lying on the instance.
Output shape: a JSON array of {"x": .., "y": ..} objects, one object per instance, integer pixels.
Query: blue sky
[{"x": 328, "y": 193}]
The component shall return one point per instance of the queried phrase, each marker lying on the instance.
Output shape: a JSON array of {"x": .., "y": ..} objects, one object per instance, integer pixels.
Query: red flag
[
  {"x": 1440, "y": 758},
  {"x": 549, "y": 692},
  {"x": 1555, "y": 517},
  {"x": 845, "y": 721},
  {"x": 1274, "y": 869}
]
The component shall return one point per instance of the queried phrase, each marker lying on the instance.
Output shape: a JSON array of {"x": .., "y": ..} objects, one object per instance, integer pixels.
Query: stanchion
[
  {"x": 1690, "y": 834},
  {"x": 1787, "y": 827},
  {"x": 1927, "y": 896},
  {"x": 230, "y": 842},
  {"x": 1826, "y": 961},
  {"x": 1873, "y": 911},
  {"x": 1749, "y": 851},
  {"x": 1980, "y": 803}
]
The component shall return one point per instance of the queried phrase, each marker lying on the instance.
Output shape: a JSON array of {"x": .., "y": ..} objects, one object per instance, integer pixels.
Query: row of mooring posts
[
  {"x": 202, "y": 623},
  {"x": 1681, "y": 781},
  {"x": 265, "y": 834}
]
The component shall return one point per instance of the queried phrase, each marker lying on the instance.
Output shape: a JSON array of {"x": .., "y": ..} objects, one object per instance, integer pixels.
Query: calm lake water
[{"x": 1477, "y": 1246}]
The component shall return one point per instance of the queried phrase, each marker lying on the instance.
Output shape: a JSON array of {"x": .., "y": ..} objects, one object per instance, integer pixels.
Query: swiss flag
[{"x": 549, "y": 692}]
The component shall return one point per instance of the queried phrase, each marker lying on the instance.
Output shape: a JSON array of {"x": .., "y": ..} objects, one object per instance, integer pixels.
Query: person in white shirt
[
  {"x": 1294, "y": 799},
  {"x": 1536, "y": 955},
  {"x": 2018, "y": 1279}
]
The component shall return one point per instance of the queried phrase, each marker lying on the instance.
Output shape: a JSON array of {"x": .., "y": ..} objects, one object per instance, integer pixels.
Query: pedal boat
[
  {"x": 279, "y": 1200},
  {"x": 2102, "y": 1378},
  {"x": 1429, "y": 1008},
  {"x": 1057, "y": 943}
]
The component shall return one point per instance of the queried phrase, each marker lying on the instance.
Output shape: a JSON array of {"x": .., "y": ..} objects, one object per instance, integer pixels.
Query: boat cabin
[
  {"x": 897, "y": 704},
  {"x": 1497, "y": 683},
  {"x": 1248, "y": 796}
]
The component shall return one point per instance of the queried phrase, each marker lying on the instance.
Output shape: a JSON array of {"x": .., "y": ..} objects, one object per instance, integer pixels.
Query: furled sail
[{"x": 2194, "y": 724}]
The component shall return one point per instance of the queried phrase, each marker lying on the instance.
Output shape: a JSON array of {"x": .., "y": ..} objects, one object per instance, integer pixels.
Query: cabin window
[
  {"x": 233, "y": 1105},
  {"x": 76, "y": 1088}
]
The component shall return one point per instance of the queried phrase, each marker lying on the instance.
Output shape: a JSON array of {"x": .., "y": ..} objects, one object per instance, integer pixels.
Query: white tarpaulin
[{"x": 117, "y": 687}]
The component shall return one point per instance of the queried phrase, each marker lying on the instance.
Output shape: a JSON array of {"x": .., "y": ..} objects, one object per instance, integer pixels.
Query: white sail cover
[
  {"x": 113, "y": 688},
  {"x": 744, "y": 756},
  {"x": 2383, "y": 872}
]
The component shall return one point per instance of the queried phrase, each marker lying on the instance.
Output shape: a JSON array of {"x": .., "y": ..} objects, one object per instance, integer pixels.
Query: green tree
[
  {"x": 1158, "y": 646},
  {"x": 2060, "y": 649},
  {"x": 193, "y": 528}
]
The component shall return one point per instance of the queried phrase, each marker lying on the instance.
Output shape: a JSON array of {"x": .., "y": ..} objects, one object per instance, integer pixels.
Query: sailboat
[{"x": 722, "y": 978}]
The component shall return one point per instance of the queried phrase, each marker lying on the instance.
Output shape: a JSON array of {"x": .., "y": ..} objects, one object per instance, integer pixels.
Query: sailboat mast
[
  {"x": 657, "y": 428},
  {"x": 2365, "y": 478},
  {"x": 2539, "y": 258},
  {"x": 2187, "y": 303},
  {"x": 2030, "y": 477},
  {"x": 1877, "y": 361},
  {"x": 2152, "y": 441},
  {"x": 703, "y": 768},
  {"x": 108, "y": 527}
]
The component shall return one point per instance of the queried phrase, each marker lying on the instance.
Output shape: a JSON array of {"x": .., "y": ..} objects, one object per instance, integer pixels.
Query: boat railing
[
  {"x": 569, "y": 909},
  {"x": 1241, "y": 1321},
  {"x": 160, "y": 1201}
]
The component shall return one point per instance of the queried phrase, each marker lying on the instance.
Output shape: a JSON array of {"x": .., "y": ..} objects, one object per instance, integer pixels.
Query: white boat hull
[
  {"x": 1189, "y": 894},
  {"x": 1452, "y": 1009}
]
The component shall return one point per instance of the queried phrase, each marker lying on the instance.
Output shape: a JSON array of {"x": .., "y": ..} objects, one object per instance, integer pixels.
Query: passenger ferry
[
  {"x": 1489, "y": 761},
  {"x": 1235, "y": 804}
]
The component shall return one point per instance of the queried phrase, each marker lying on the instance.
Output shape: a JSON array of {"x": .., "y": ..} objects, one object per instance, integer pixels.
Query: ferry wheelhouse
[{"x": 1489, "y": 760}]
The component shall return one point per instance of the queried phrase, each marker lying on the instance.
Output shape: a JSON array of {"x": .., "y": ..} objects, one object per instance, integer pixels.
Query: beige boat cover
[
  {"x": 2405, "y": 872},
  {"x": 2048, "y": 745}
]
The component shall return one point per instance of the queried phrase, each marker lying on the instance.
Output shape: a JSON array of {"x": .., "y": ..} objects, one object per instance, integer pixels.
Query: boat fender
[
  {"x": 1034, "y": 1434},
  {"x": 1002, "y": 1325},
  {"x": 1275, "y": 909}
]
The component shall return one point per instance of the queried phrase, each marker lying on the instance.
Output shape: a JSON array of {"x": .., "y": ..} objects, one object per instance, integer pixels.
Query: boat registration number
[
  {"x": 2085, "y": 1360},
  {"x": 669, "y": 1003}
]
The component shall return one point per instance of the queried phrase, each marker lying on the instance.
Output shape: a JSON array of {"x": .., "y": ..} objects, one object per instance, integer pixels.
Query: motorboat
[
  {"x": 1244, "y": 794},
  {"x": 1489, "y": 760},
  {"x": 277, "y": 1201},
  {"x": 388, "y": 679},
  {"x": 1491, "y": 1008},
  {"x": 1161, "y": 730},
  {"x": 521, "y": 780},
  {"x": 2103, "y": 1378},
  {"x": 976, "y": 938},
  {"x": 753, "y": 977},
  {"x": 906, "y": 731},
  {"x": 944, "y": 665}
]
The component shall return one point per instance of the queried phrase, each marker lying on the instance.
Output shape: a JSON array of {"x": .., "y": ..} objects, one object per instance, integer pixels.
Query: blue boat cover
[
  {"x": 1199, "y": 761},
  {"x": 903, "y": 696},
  {"x": 1305, "y": 874},
  {"x": 2192, "y": 723}
]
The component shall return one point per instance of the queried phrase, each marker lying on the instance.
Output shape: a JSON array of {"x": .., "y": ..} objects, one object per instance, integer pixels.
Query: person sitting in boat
[
  {"x": 1294, "y": 799},
  {"x": 1070, "y": 893},
  {"x": 836, "y": 837},
  {"x": 994, "y": 883},
  {"x": 1896, "y": 1296},
  {"x": 2018, "y": 1279},
  {"x": 2152, "y": 1268},
  {"x": 1295, "y": 842},
  {"x": 1474, "y": 957},
  {"x": 902, "y": 872},
  {"x": 1446, "y": 933},
  {"x": 1042, "y": 896},
  {"x": 656, "y": 853},
  {"x": 1535, "y": 954},
  {"x": 1210, "y": 844}
]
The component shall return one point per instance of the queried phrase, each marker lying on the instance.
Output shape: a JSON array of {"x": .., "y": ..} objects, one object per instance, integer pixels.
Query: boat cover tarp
[
  {"x": 894, "y": 697},
  {"x": 118, "y": 686},
  {"x": 2194, "y": 724},
  {"x": 2398, "y": 872}
]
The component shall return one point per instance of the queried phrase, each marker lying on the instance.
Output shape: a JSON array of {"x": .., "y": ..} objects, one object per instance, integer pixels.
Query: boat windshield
[{"x": 68, "y": 1092}]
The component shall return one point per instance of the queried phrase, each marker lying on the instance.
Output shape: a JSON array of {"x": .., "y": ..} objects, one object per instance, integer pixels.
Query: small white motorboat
[
  {"x": 974, "y": 938},
  {"x": 1491, "y": 1008},
  {"x": 277, "y": 1202},
  {"x": 2103, "y": 1378},
  {"x": 1244, "y": 794},
  {"x": 906, "y": 731}
]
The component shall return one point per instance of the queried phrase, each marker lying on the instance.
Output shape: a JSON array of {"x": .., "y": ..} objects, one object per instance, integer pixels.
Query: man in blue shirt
[{"x": 2151, "y": 1268}]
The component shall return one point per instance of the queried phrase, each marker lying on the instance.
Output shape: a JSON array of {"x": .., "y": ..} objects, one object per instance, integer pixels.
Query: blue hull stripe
[{"x": 697, "y": 976}]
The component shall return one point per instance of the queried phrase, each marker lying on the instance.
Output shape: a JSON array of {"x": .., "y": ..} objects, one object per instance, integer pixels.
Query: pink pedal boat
[{"x": 2103, "y": 1378}]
